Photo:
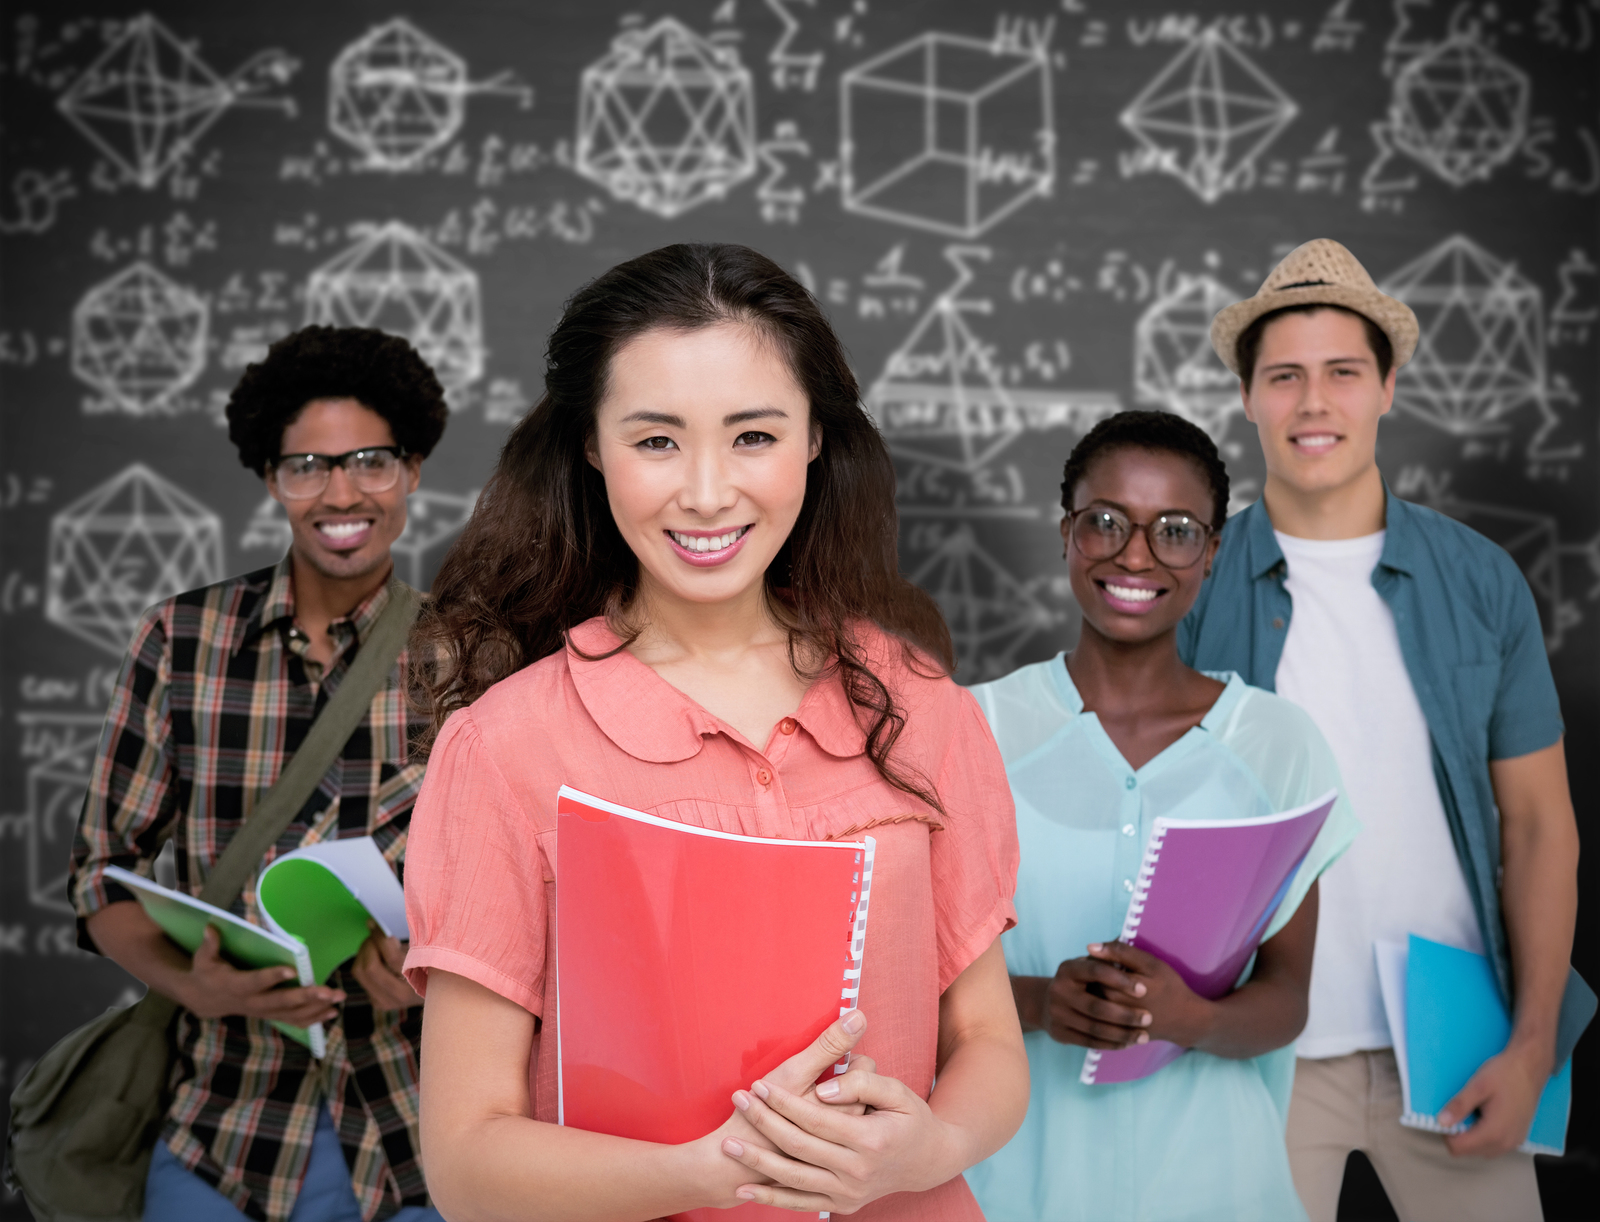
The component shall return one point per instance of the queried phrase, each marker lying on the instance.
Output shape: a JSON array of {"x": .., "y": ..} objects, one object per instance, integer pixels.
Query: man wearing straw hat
[{"x": 1415, "y": 645}]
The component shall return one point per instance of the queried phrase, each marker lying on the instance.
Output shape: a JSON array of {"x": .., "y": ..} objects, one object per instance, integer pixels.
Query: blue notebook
[{"x": 1446, "y": 1019}]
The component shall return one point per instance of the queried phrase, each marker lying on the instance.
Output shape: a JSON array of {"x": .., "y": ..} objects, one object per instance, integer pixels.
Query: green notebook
[
  {"x": 184, "y": 919},
  {"x": 319, "y": 902}
]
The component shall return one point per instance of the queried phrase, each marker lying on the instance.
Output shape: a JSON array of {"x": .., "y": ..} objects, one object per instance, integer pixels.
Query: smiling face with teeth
[
  {"x": 704, "y": 438},
  {"x": 1315, "y": 397},
  {"x": 343, "y": 534},
  {"x": 1132, "y": 597}
]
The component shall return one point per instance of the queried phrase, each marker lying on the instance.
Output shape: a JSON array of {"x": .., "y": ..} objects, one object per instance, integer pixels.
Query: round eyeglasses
[
  {"x": 1177, "y": 540},
  {"x": 372, "y": 469}
]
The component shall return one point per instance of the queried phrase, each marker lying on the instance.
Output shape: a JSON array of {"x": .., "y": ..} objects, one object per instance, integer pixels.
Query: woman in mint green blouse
[{"x": 1098, "y": 744}]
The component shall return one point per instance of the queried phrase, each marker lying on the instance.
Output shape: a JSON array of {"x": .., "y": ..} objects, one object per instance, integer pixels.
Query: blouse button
[
  {"x": 787, "y": 725},
  {"x": 1127, "y": 884},
  {"x": 1277, "y": 621},
  {"x": 764, "y": 776},
  {"x": 1127, "y": 829},
  {"x": 1130, "y": 783}
]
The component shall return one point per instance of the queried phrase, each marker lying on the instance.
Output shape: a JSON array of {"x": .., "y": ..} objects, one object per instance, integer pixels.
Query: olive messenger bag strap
[{"x": 85, "y": 1117}]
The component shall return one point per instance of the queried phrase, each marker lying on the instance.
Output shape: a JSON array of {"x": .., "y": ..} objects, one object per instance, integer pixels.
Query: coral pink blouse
[{"x": 481, "y": 864}]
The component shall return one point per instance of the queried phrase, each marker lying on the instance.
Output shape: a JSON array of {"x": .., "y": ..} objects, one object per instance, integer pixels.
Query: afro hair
[
  {"x": 1159, "y": 431},
  {"x": 380, "y": 371}
]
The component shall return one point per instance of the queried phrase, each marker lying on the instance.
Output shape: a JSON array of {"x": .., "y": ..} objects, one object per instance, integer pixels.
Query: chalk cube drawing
[
  {"x": 396, "y": 95},
  {"x": 1208, "y": 116},
  {"x": 149, "y": 97},
  {"x": 132, "y": 541},
  {"x": 61, "y": 749},
  {"x": 1174, "y": 366},
  {"x": 946, "y": 134},
  {"x": 139, "y": 338},
  {"x": 1460, "y": 109},
  {"x": 1481, "y": 353},
  {"x": 398, "y": 281},
  {"x": 666, "y": 119}
]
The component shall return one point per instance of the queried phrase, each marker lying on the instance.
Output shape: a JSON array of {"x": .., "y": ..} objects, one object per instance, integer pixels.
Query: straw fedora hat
[{"x": 1321, "y": 272}]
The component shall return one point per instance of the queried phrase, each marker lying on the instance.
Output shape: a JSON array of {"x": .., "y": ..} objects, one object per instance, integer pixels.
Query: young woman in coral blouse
[{"x": 679, "y": 591}]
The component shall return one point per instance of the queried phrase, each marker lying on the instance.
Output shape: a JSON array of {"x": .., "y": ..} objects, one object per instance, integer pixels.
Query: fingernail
[
  {"x": 729, "y": 1146},
  {"x": 853, "y": 1022},
  {"x": 759, "y": 1090},
  {"x": 1144, "y": 1038},
  {"x": 828, "y": 1090},
  {"x": 741, "y": 1101},
  {"x": 1139, "y": 990},
  {"x": 1095, "y": 948},
  {"x": 1144, "y": 1020},
  {"x": 745, "y": 1194}
]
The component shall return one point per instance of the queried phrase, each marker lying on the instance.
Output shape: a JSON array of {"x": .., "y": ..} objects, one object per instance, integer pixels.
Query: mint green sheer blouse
[{"x": 1202, "y": 1138}]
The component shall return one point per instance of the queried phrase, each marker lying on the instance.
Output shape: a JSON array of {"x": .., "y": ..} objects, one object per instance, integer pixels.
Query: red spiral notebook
[{"x": 690, "y": 962}]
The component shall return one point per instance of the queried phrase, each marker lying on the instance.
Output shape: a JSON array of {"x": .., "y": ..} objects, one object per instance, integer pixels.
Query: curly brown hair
[{"x": 541, "y": 552}]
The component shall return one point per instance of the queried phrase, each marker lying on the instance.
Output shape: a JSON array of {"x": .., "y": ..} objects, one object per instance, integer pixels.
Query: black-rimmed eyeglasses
[
  {"x": 1177, "y": 540},
  {"x": 371, "y": 469}
]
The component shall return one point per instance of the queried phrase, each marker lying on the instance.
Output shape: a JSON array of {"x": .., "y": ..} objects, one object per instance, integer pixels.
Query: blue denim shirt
[{"x": 1470, "y": 636}]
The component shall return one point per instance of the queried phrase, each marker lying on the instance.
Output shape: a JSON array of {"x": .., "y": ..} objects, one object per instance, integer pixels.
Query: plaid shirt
[{"x": 214, "y": 697}]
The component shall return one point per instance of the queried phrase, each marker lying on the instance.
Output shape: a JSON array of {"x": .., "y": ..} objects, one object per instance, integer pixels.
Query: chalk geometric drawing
[
  {"x": 1481, "y": 354},
  {"x": 991, "y": 614},
  {"x": 1174, "y": 366},
  {"x": 941, "y": 400},
  {"x": 397, "y": 95},
  {"x": 666, "y": 119},
  {"x": 60, "y": 750},
  {"x": 398, "y": 281},
  {"x": 947, "y": 134},
  {"x": 131, "y": 542},
  {"x": 433, "y": 519},
  {"x": 1208, "y": 116},
  {"x": 147, "y": 100},
  {"x": 140, "y": 340},
  {"x": 1459, "y": 109}
]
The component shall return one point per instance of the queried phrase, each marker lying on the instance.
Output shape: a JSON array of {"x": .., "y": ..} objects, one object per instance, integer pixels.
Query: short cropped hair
[
  {"x": 1161, "y": 432},
  {"x": 1248, "y": 347},
  {"x": 382, "y": 372}
]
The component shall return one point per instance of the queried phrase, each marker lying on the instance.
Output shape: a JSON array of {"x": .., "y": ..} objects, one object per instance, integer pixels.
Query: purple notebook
[{"x": 1207, "y": 890}]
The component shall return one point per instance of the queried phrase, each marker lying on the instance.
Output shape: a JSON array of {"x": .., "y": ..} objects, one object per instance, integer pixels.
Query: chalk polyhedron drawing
[
  {"x": 139, "y": 338},
  {"x": 1208, "y": 116},
  {"x": 666, "y": 119},
  {"x": 946, "y": 134},
  {"x": 1459, "y": 109},
  {"x": 134, "y": 540},
  {"x": 398, "y": 95},
  {"x": 59, "y": 749},
  {"x": 1174, "y": 366},
  {"x": 149, "y": 97},
  {"x": 941, "y": 398},
  {"x": 1481, "y": 353},
  {"x": 398, "y": 281},
  {"x": 991, "y": 614}
]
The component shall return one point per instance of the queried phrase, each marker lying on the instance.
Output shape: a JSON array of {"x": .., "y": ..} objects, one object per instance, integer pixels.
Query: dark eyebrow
[
  {"x": 653, "y": 418},
  {"x": 754, "y": 413}
]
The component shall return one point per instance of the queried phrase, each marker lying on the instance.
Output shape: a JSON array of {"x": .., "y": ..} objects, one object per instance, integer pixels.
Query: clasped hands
[
  {"x": 1116, "y": 997},
  {"x": 832, "y": 1147}
]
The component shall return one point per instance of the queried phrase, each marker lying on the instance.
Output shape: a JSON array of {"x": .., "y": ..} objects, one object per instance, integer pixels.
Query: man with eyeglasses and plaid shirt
[{"x": 219, "y": 688}]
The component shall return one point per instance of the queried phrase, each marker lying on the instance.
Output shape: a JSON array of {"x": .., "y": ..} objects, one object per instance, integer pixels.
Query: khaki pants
[{"x": 1353, "y": 1103}]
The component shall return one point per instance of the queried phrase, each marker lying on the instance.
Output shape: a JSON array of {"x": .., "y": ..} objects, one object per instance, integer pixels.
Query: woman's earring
[{"x": 1207, "y": 573}]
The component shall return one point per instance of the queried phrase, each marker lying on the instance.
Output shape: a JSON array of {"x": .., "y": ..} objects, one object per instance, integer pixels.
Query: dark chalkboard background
[{"x": 1019, "y": 221}]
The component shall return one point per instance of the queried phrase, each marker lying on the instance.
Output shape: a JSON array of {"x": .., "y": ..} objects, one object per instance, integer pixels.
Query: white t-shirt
[{"x": 1342, "y": 664}]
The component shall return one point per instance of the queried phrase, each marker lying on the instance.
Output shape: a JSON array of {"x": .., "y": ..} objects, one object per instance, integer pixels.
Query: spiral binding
[
  {"x": 851, "y": 989},
  {"x": 1130, "y": 923}
]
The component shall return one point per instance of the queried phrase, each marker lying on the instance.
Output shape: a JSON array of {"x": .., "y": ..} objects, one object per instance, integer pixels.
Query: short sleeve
[
  {"x": 475, "y": 878},
  {"x": 974, "y": 857},
  {"x": 1527, "y": 712}
]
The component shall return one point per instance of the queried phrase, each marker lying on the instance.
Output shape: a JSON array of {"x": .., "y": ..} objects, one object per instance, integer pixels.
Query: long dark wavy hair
[{"x": 541, "y": 553}]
